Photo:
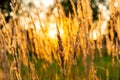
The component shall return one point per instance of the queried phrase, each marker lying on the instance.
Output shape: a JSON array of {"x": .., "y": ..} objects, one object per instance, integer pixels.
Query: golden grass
[{"x": 21, "y": 43}]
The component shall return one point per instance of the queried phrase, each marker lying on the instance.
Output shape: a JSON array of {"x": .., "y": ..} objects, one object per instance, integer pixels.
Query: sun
[
  {"x": 53, "y": 33},
  {"x": 47, "y": 3}
]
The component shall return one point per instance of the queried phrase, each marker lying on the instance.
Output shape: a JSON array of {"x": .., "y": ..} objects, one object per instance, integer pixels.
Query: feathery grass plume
[
  {"x": 15, "y": 6},
  {"x": 60, "y": 43},
  {"x": 3, "y": 58},
  {"x": 97, "y": 27},
  {"x": 76, "y": 42},
  {"x": 113, "y": 31},
  {"x": 86, "y": 28},
  {"x": 79, "y": 9},
  {"x": 70, "y": 44},
  {"x": 92, "y": 73},
  {"x": 4, "y": 41},
  {"x": 59, "y": 9},
  {"x": 34, "y": 37},
  {"x": 74, "y": 8},
  {"x": 2, "y": 20},
  {"x": 78, "y": 21},
  {"x": 15, "y": 52},
  {"x": 61, "y": 51},
  {"x": 5, "y": 30},
  {"x": 108, "y": 45},
  {"x": 118, "y": 19}
]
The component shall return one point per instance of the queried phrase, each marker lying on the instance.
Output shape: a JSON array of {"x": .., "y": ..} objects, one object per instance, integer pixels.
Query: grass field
[{"x": 60, "y": 47}]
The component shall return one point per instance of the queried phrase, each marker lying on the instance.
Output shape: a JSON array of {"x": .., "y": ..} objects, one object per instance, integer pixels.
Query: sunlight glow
[
  {"x": 104, "y": 27},
  {"x": 53, "y": 32},
  {"x": 37, "y": 25},
  {"x": 116, "y": 4},
  {"x": 47, "y": 3},
  {"x": 94, "y": 35}
]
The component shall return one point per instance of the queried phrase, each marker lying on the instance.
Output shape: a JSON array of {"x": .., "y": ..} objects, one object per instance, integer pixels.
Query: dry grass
[{"x": 20, "y": 46}]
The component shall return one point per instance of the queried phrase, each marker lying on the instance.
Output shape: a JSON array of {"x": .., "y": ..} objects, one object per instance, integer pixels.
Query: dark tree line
[
  {"x": 68, "y": 8},
  {"x": 5, "y": 7}
]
